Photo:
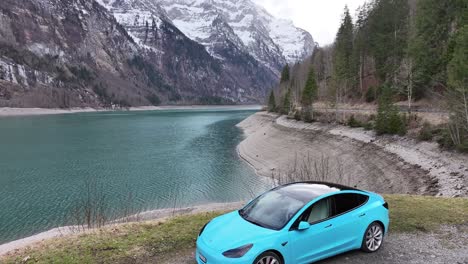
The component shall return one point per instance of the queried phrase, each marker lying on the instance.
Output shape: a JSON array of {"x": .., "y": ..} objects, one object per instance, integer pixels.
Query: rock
[{"x": 26, "y": 259}]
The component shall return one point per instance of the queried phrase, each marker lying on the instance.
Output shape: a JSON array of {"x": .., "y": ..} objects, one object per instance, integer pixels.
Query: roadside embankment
[
  {"x": 275, "y": 145},
  {"x": 154, "y": 215}
]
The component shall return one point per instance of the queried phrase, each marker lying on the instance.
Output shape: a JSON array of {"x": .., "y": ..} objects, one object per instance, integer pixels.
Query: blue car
[{"x": 294, "y": 224}]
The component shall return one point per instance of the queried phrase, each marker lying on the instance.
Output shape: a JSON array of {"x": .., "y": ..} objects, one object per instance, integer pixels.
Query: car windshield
[{"x": 273, "y": 209}]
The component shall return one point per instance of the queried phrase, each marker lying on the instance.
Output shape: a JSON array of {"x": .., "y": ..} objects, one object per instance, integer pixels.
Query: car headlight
[
  {"x": 237, "y": 252},
  {"x": 203, "y": 228}
]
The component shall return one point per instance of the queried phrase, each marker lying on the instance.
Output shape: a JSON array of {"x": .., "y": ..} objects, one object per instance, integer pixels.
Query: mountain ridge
[{"x": 121, "y": 53}]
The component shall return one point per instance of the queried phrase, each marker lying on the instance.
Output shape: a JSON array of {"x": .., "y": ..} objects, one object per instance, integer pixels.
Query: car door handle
[
  {"x": 361, "y": 215},
  {"x": 328, "y": 226}
]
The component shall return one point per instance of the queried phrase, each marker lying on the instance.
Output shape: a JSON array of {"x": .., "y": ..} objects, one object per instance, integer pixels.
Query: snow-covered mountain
[
  {"x": 222, "y": 70},
  {"x": 111, "y": 53},
  {"x": 273, "y": 42}
]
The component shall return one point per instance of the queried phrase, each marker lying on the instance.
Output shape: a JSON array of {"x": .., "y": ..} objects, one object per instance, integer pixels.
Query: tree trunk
[
  {"x": 410, "y": 85},
  {"x": 361, "y": 84},
  {"x": 465, "y": 100}
]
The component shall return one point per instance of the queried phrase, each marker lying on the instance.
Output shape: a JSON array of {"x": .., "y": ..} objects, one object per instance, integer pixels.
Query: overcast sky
[{"x": 320, "y": 17}]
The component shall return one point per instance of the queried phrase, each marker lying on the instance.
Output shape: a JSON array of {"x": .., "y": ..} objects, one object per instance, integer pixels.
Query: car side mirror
[{"x": 303, "y": 226}]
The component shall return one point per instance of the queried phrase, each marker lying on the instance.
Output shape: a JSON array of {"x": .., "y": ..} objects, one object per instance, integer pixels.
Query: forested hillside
[{"x": 393, "y": 51}]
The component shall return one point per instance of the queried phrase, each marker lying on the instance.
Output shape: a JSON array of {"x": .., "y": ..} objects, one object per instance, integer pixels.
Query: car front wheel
[
  {"x": 268, "y": 258},
  {"x": 373, "y": 238}
]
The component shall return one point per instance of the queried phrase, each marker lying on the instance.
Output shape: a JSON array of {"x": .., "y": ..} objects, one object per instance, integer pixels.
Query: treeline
[{"x": 395, "y": 50}]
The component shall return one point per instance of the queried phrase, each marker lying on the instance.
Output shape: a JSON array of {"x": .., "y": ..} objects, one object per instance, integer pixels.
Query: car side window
[
  {"x": 345, "y": 202},
  {"x": 320, "y": 210},
  {"x": 317, "y": 212}
]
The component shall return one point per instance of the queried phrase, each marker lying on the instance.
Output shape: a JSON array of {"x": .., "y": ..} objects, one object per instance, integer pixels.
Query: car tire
[
  {"x": 373, "y": 238},
  {"x": 268, "y": 258}
]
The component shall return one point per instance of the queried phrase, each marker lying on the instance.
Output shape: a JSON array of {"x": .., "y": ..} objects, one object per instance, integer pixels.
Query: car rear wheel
[
  {"x": 268, "y": 258},
  {"x": 373, "y": 238}
]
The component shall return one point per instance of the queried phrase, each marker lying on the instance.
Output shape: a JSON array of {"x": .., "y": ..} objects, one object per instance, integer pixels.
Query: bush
[
  {"x": 154, "y": 99},
  {"x": 369, "y": 125},
  {"x": 297, "y": 116},
  {"x": 371, "y": 94},
  {"x": 444, "y": 139},
  {"x": 463, "y": 147},
  {"x": 353, "y": 122},
  {"x": 307, "y": 115},
  {"x": 425, "y": 134}
]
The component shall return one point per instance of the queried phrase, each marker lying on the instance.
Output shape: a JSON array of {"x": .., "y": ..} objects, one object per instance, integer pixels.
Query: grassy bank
[{"x": 155, "y": 242}]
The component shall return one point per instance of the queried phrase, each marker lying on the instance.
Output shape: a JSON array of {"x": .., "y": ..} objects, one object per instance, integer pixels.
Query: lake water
[{"x": 151, "y": 160}]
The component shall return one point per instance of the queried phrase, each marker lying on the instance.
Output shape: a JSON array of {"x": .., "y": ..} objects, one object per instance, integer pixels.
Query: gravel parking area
[{"x": 448, "y": 246}]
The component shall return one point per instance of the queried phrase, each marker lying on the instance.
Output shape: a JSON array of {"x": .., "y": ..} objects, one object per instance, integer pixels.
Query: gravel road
[{"x": 447, "y": 246}]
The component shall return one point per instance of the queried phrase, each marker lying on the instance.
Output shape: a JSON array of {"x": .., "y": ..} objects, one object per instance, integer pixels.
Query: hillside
[{"x": 410, "y": 52}]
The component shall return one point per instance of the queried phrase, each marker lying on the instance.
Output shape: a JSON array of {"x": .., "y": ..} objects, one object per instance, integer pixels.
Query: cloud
[{"x": 320, "y": 17}]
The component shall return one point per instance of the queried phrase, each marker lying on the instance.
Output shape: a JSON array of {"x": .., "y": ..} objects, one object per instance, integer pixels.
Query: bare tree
[
  {"x": 308, "y": 169},
  {"x": 92, "y": 209}
]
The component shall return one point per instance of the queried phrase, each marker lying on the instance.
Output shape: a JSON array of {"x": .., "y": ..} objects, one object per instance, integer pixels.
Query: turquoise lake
[{"x": 151, "y": 159}]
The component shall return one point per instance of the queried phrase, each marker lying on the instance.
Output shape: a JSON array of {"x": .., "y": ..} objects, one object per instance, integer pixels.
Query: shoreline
[
  {"x": 14, "y": 112},
  {"x": 272, "y": 142},
  {"x": 152, "y": 215},
  {"x": 386, "y": 164}
]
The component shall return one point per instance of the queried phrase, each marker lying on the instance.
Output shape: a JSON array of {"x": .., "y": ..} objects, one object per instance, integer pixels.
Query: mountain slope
[
  {"x": 233, "y": 77},
  {"x": 273, "y": 42},
  {"x": 119, "y": 53},
  {"x": 68, "y": 53}
]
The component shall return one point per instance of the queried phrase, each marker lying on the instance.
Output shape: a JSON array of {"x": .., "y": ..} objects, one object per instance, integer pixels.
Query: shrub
[
  {"x": 307, "y": 115},
  {"x": 297, "y": 115},
  {"x": 371, "y": 94},
  {"x": 353, "y": 122},
  {"x": 444, "y": 139},
  {"x": 369, "y": 125},
  {"x": 463, "y": 147},
  {"x": 154, "y": 99},
  {"x": 425, "y": 134}
]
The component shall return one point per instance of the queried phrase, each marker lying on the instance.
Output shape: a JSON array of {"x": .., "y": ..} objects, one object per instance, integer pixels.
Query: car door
[
  {"x": 313, "y": 243},
  {"x": 348, "y": 220}
]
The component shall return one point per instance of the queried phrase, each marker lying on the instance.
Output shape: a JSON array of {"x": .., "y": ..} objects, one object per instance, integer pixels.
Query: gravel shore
[
  {"x": 382, "y": 164},
  {"x": 7, "y": 111}
]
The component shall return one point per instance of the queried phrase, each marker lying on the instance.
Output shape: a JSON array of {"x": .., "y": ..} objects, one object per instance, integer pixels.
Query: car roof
[{"x": 308, "y": 191}]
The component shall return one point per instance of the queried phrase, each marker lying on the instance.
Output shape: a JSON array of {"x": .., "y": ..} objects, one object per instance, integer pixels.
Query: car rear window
[{"x": 348, "y": 201}]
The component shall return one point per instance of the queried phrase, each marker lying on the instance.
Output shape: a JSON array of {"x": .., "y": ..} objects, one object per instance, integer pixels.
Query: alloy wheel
[
  {"x": 374, "y": 237},
  {"x": 268, "y": 260}
]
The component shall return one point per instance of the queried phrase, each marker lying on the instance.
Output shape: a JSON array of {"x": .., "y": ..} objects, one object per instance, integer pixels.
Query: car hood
[{"x": 230, "y": 231}]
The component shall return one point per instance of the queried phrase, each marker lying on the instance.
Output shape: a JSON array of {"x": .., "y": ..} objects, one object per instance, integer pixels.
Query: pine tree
[
  {"x": 388, "y": 26},
  {"x": 285, "y": 74},
  {"x": 310, "y": 90},
  {"x": 389, "y": 120},
  {"x": 309, "y": 94},
  {"x": 272, "y": 102},
  {"x": 431, "y": 49},
  {"x": 458, "y": 90},
  {"x": 342, "y": 57},
  {"x": 361, "y": 45},
  {"x": 287, "y": 103}
]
